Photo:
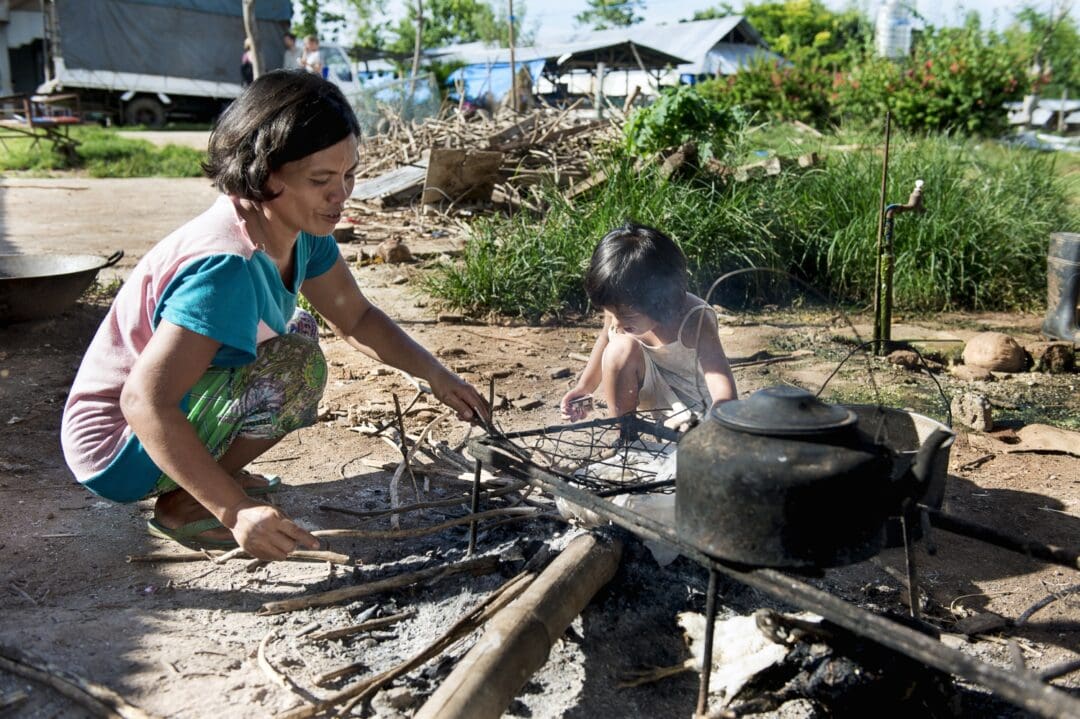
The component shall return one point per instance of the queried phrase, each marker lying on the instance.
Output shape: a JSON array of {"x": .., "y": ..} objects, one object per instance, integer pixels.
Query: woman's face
[{"x": 314, "y": 188}]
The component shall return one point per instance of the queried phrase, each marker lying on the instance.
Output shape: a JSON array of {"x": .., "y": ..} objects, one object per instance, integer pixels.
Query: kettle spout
[{"x": 924, "y": 461}]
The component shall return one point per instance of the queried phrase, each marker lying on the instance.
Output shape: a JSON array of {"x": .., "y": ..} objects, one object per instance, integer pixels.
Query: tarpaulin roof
[
  {"x": 264, "y": 9},
  {"x": 169, "y": 39},
  {"x": 495, "y": 78}
]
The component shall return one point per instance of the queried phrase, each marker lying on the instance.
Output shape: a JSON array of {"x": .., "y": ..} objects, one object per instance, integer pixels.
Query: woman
[{"x": 203, "y": 361}]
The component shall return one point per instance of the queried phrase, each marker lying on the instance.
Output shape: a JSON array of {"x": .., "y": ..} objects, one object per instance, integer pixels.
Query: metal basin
[{"x": 34, "y": 287}]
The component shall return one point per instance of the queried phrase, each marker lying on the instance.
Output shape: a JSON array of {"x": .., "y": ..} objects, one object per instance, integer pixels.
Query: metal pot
[
  {"x": 784, "y": 479},
  {"x": 33, "y": 287}
]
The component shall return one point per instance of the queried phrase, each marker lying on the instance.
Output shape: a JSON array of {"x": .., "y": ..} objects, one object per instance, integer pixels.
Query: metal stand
[
  {"x": 474, "y": 507},
  {"x": 1021, "y": 688},
  {"x": 710, "y": 629}
]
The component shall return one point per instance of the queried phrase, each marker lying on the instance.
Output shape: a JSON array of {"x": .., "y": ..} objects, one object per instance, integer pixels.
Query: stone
[
  {"x": 905, "y": 358},
  {"x": 393, "y": 251},
  {"x": 969, "y": 373},
  {"x": 344, "y": 232},
  {"x": 527, "y": 403},
  {"x": 559, "y": 372},
  {"x": 995, "y": 351},
  {"x": 1053, "y": 357},
  {"x": 398, "y": 280},
  {"x": 972, "y": 410}
]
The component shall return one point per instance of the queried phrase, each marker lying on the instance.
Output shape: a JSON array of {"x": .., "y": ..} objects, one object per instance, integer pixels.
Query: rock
[
  {"x": 398, "y": 280},
  {"x": 393, "y": 251},
  {"x": 501, "y": 373},
  {"x": 981, "y": 623},
  {"x": 972, "y": 410},
  {"x": 501, "y": 402},
  {"x": 1053, "y": 357},
  {"x": 391, "y": 702},
  {"x": 449, "y": 317},
  {"x": 344, "y": 233},
  {"x": 995, "y": 351},
  {"x": 559, "y": 372},
  {"x": 905, "y": 358},
  {"x": 527, "y": 403},
  {"x": 968, "y": 373},
  {"x": 451, "y": 352}
]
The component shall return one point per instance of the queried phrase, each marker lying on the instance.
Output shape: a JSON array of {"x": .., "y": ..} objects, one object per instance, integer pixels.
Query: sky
[{"x": 555, "y": 17}]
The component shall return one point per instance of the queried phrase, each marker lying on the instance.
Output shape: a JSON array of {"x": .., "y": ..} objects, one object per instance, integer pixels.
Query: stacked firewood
[{"x": 546, "y": 144}]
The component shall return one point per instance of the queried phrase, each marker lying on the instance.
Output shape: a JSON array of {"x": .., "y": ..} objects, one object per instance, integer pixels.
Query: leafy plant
[{"x": 678, "y": 116}]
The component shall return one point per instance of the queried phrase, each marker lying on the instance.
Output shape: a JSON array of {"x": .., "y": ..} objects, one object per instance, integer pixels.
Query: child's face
[{"x": 631, "y": 321}]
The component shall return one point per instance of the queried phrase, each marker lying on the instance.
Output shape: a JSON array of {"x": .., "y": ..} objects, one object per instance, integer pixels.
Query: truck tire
[{"x": 145, "y": 111}]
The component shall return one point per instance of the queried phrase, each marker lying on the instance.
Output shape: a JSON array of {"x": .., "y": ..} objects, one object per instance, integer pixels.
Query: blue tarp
[
  {"x": 264, "y": 9},
  {"x": 495, "y": 78}
]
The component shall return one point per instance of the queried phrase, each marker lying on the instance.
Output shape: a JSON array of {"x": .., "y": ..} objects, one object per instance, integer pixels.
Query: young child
[{"x": 659, "y": 348}]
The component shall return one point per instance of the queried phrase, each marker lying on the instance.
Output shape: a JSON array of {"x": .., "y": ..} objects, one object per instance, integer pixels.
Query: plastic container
[{"x": 892, "y": 31}]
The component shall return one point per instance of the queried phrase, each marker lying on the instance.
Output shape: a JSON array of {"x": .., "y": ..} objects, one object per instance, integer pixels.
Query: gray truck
[{"x": 146, "y": 61}]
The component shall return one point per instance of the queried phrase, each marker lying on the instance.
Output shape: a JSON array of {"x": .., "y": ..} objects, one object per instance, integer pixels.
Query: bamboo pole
[{"x": 517, "y": 640}]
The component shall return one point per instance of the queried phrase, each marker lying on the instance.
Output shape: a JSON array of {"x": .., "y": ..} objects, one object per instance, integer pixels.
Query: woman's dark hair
[
  {"x": 640, "y": 267},
  {"x": 281, "y": 117}
]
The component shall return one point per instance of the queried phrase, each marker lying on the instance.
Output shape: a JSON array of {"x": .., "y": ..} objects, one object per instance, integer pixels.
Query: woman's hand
[
  {"x": 264, "y": 532},
  {"x": 575, "y": 404},
  {"x": 459, "y": 395}
]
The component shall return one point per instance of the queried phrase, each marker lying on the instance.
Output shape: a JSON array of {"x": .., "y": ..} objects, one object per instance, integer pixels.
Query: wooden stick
[
  {"x": 468, "y": 623},
  {"x": 422, "y": 531},
  {"x": 376, "y": 513},
  {"x": 95, "y": 698},
  {"x": 300, "y": 555},
  {"x": 361, "y": 627},
  {"x": 480, "y": 565},
  {"x": 517, "y": 640}
]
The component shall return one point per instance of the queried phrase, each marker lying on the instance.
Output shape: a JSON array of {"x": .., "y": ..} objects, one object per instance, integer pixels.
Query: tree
[
  {"x": 1051, "y": 42},
  {"x": 251, "y": 29},
  {"x": 370, "y": 32},
  {"x": 604, "y": 14},
  {"x": 315, "y": 20},
  {"x": 803, "y": 30},
  {"x": 453, "y": 21}
]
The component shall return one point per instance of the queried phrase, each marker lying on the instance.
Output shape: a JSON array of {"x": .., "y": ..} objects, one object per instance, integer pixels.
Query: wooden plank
[{"x": 454, "y": 175}]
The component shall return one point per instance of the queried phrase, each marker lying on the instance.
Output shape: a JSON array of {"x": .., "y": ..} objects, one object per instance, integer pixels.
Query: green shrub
[
  {"x": 957, "y": 79},
  {"x": 775, "y": 90},
  {"x": 681, "y": 115}
]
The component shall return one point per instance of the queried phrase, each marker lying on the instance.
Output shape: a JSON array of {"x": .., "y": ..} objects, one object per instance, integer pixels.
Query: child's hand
[{"x": 575, "y": 405}]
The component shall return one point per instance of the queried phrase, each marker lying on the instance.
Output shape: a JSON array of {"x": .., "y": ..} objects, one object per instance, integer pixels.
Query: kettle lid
[{"x": 783, "y": 410}]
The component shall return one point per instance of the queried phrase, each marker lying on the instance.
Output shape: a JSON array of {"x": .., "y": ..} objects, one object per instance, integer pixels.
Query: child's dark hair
[
  {"x": 281, "y": 117},
  {"x": 640, "y": 267}
]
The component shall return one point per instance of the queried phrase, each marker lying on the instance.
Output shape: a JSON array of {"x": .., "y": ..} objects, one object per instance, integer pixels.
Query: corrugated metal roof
[{"x": 694, "y": 41}]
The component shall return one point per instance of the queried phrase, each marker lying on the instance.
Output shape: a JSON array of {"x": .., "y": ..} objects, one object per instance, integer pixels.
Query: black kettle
[{"x": 783, "y": 479}]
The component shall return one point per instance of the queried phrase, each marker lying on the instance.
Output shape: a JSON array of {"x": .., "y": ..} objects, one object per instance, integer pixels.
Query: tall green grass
[
  {"x": 103, "y": 153},
  {"x": 980, "y": 245}
]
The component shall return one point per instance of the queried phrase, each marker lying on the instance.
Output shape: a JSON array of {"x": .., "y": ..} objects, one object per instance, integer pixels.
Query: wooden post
[
  {"x": 513, "y": 65},
  {"x": 598, "y": 100},
  {"x": 517, "y": 640},
  {"x": 252, "y": 30}
]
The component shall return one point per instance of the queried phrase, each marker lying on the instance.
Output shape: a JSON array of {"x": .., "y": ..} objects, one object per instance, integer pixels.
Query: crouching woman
[{"x": 204, "y": 361}]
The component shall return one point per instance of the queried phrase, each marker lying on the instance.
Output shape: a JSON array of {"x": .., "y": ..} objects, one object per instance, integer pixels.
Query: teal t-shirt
[{"x": 226, "y": 296}]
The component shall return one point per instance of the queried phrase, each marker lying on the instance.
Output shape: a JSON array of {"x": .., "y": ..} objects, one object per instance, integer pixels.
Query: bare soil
[{"x": 181, "y": 639}]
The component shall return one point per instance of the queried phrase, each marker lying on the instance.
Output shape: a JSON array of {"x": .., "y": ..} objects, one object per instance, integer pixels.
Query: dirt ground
[{"x": 182, "y": 639}]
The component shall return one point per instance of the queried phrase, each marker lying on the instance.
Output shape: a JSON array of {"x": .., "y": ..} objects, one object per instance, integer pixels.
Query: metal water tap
[
  {"x": 884, "y": 291},
  {"x": 914, "y": 203}
]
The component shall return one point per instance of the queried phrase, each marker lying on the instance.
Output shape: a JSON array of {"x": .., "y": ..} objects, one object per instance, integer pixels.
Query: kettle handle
[{"x": 924, "y": 460}]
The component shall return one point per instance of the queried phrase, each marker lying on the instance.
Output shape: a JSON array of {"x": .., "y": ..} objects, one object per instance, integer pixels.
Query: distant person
[
  {"x": 247, "y": 68},
  {"x": 312, "y": 59},
  {"x": 205, "y": 361},
  {"x": 293, "y": 53},
  {"x": 660, "y": 346}
]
